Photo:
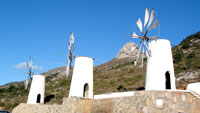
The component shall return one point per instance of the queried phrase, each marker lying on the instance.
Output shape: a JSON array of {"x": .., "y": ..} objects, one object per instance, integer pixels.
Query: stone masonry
[{"x": 141, "y": 102}]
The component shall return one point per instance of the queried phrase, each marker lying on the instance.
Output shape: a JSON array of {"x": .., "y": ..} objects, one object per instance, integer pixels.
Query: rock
[
  {"x": 2, "y": 108},
  {"x": 130, "y": 49},
  {"x": 188, "y": 75}
]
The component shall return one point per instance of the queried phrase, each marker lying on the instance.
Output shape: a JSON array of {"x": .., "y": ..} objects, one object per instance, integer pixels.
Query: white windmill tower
[
  {"x": 159, "y": 71},
  {"x": 82, "y": 77},
  {"x": 37, "y": 87}
]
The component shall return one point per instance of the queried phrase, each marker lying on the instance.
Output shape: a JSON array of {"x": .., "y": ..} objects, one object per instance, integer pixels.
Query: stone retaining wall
[
  {"x": 37, "y": 108},
  {"x": 141, "y": 102}
]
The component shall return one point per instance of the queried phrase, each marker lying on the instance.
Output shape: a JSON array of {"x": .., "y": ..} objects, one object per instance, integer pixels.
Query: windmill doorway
[
  {"x": 86, "y": 91},
  {"x": 167, "y": 80},
  {"x": 38, "y": 98}
]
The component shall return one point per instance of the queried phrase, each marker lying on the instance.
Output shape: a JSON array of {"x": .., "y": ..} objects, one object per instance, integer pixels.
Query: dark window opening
[
  {"x": 167, "y": 80},
  {"x": 86, "y": 90},
  {"x": 38, "y": 98},
  {"x": 48, "y": 98}
]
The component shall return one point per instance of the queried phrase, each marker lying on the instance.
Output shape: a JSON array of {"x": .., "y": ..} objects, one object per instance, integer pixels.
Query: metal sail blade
[
  {"x": 71, "y": 43},
  {"x": 154, "y": 25},
  {"x": 30, "y": 64},
  {"x": 153, "y": 37},
  {"x": 72, "y": 38},
  {"x": 138, "y": 53},
  {"x": 148, "y": 51},
  {"x": 135, "y": 35},
  {"x": 26, "y": 84},
  {"x": 27, "y": 64},
  {"x": 70, "y": 55},
  {"x": 139, "y": 24},
  {"x": 142, "y": 57},
  {"x": 132, "y": 49},
  {"x": 151, "y": 18},
  {"x": 146, "y": 16},
  {"x": 68, "y": 67}
]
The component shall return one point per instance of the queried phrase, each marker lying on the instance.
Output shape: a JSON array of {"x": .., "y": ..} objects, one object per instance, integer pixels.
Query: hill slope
[{"x": 187, "y": 60}]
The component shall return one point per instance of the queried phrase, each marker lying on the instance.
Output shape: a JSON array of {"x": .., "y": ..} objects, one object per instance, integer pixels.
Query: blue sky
[{"x": 41, "y": 29}]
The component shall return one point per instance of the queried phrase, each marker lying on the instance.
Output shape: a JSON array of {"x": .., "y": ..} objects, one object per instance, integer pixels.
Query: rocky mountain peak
[{"x": 128, "y": 50}]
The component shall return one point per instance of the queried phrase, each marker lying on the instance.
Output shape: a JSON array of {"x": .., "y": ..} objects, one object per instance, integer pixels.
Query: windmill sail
[
  {"x": 153, "y": 37},
  {"x": 68, "y": 67},
  {"x": 26, "y": 84},
  {"x": 146, "y": 16},
  {"x": 139, "y": 24},
  {"x": 151, "y": 18},
  {"x": 148, "y": 20},
  {"x": 142, "y": 57},
  {"x": 135, "y": 35},
  {"x": 154, "y": 25},
  {"x": 30, "y": 73},
  {"x": 70, "y": 55}
]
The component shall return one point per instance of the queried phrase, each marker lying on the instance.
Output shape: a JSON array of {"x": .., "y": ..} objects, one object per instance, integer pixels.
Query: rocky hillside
[
  {"x": 187, "y": 60},
  {"x": 119, "y": 74}
]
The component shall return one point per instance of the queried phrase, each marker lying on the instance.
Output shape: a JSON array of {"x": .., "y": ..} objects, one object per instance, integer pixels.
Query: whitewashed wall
[
  {"x": 158, "y": 64},
  {"x": 114, "y": 95},
  {"x": 37, "y": 87},
  {"x": 82, "y": 74},
  {"x": 194, "y": 87}
]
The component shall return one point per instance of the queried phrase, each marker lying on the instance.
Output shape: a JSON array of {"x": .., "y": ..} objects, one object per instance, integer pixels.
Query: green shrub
[
  {"x": 2, "y": 91},
  {"x": 186, "y": 45},
  {"x": 188, "y": 63},
  {"x": 112, "y": 82},
  {"x": 121, "y": 88},
  {"x": 15, "y": 104},
  {"x": 191, "y": 55},
  {"x": 2, "y": 104},
  {"x": 122, "y": 65},
  {"x": 196, "y": 63},
  {"x": 48, "y": 78},
  {"x": 63, "y": 82},
  {"x": 178, "y": 69},
  {"x": 186, "y": 42},
  {"x": 178, "y": 56},
  {"x": 11, "y": 88}
]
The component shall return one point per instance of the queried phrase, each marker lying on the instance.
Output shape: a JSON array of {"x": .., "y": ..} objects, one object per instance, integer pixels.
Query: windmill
[
  {"x": 30, "y": 73},
  {"x": 150, "y": 22},
  {"x": 70, "y": 55}
]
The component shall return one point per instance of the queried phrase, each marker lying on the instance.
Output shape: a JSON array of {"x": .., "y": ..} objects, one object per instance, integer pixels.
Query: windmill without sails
[{"x": 70, "y": 55}]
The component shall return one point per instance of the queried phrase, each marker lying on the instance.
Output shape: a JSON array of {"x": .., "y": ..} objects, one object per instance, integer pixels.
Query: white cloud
[
  {"x": 20, "y": 65},
  {"x": 23, "y": 65},
  {"x": 37, "y": 67},
  {"x": 57, "y": 63}
]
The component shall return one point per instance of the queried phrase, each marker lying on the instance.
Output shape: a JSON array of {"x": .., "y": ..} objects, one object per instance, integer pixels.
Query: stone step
[{"x": 195, "y": 94}]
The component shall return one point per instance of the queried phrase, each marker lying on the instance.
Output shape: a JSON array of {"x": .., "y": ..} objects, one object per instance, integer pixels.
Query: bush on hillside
[
  {"x": 178, "y": 56},
  {"x": 191, "y": 55},
  {"x": 186, "y": 45},
  {"x": 186, "y": 42}
]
